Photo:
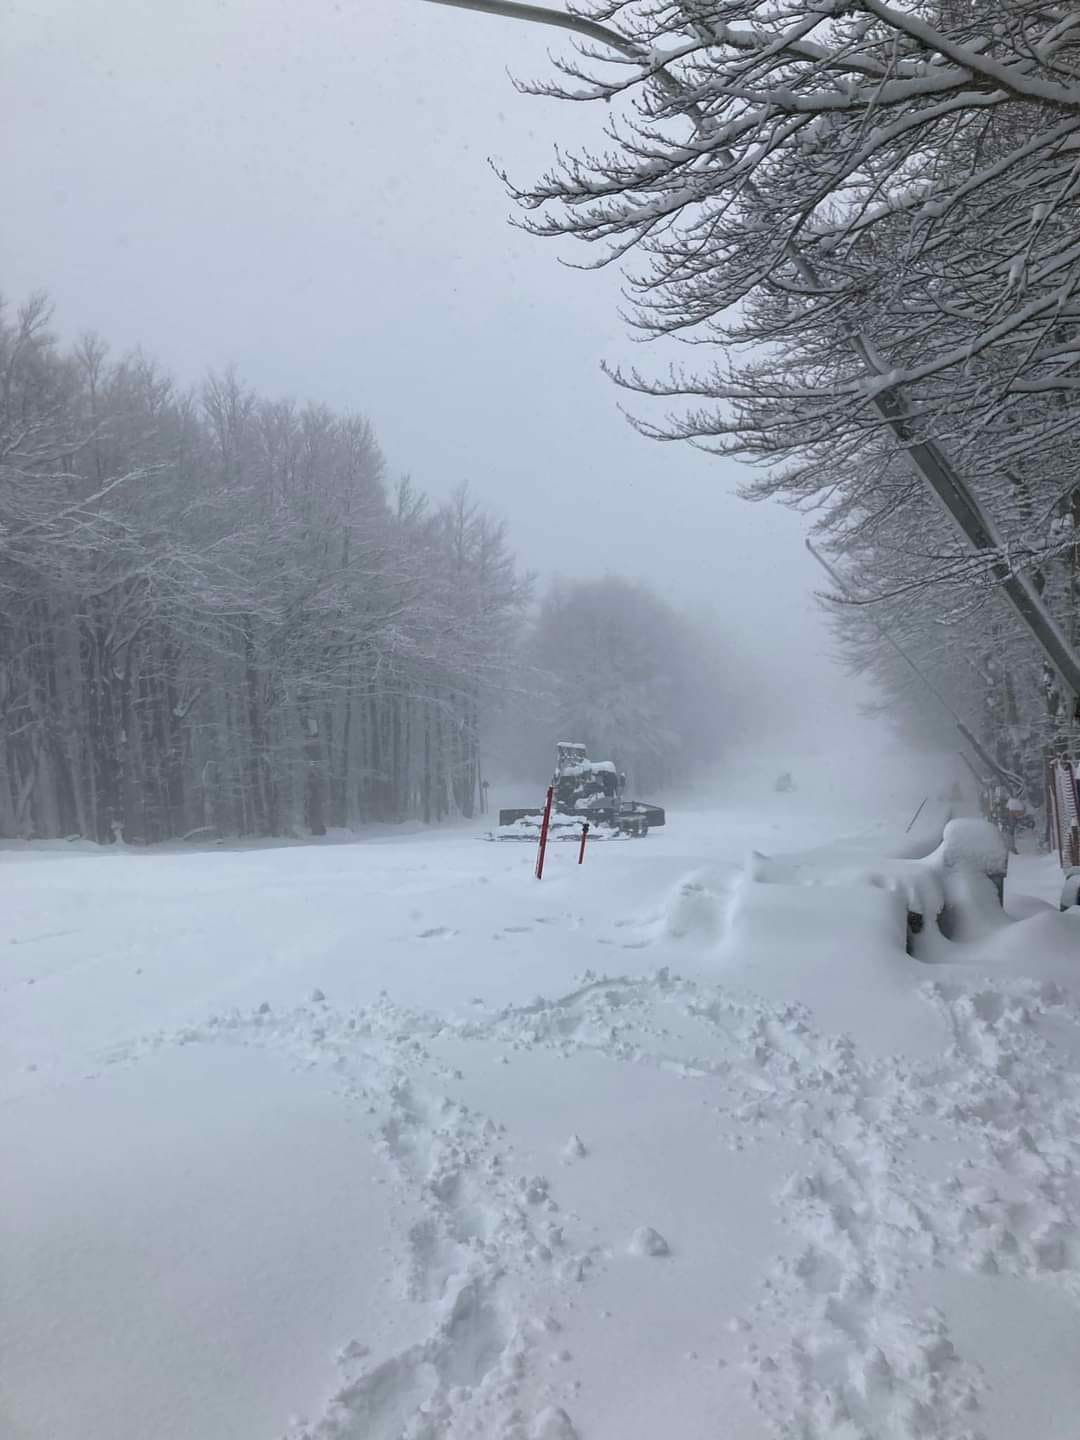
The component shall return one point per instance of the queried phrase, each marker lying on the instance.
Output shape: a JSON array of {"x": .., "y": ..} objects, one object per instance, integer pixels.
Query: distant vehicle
[{"x": 583, "y": 790}]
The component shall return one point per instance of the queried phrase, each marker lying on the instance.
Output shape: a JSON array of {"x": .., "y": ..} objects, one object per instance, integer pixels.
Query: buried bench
[{"x": 955, "y": 892}]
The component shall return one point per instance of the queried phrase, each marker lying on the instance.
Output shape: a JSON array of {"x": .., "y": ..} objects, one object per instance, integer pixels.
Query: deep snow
[{"x": 388, "y": 1139}]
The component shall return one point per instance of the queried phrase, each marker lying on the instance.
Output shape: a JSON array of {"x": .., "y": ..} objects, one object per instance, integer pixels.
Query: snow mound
[
  {"x": 692, "y": 909},
  {"x": 552, "y": 1424},
  {"x": 574, "y": 1149},
  {"x": 647, "y": 1241}
]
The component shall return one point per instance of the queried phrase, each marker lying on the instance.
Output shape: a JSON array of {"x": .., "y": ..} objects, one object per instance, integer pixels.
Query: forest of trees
[
  {"x": 848, "y": 210},
  {"x": 217, "y": 617},
  {"x": 606, "y": 663}
]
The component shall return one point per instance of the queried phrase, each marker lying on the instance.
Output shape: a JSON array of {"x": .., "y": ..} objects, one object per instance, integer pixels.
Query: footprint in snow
[
  {"x": 516, "y": 929},
  {"x": 437, "y": 932}
]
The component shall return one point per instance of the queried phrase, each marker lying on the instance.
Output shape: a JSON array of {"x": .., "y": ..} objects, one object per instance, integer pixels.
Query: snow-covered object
[
  {"x": 561, "y": 827},
  {"x": 916, "y": 881},
  {"x": 647, "y": 1241},
  {"x": 588, "y": 767},
  {"x": 974, "y": 844},
  {"x": 818, "y": 950},
  {"x": 970, "y": 863},
  {"x": 574, "y": 1149},
  {"x": 953, "y": 893}
]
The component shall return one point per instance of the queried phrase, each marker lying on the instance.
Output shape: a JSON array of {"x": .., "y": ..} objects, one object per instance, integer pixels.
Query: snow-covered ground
[{"x": 387, "y": 1139}]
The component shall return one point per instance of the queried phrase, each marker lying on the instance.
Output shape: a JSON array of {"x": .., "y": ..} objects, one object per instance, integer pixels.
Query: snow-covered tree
[
  {"x": 216, "y": 616},
  {"x": 840, "y": 203},
  {"x": 608, "y": 664}
]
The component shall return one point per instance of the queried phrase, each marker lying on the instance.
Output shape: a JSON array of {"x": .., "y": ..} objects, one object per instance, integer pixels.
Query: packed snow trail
[{"x": 388, "y": 1140}]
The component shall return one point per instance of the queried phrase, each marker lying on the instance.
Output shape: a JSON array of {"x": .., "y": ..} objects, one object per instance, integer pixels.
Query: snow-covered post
[
  {"x": 584, "y": 837},
  {"x": 544, "y": 833}
]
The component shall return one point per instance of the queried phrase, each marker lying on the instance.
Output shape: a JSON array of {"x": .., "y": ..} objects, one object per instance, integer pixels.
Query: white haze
[{"x": 305, "y": 192}]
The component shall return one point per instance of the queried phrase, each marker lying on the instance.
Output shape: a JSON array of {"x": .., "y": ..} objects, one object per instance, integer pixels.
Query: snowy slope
[{"x": 386, "y": 1139}]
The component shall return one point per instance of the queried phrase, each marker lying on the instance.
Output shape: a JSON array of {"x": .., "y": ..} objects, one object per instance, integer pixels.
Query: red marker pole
[
  {"x": 584, "y": 837},
  {"x": 544, "y": 833}
]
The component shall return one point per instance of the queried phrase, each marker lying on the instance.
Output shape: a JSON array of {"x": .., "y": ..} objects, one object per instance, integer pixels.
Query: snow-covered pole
[
  {"x": 927, "y": 457},
  {"x": 541, "y": 15},
  {"x": 544, "y": 833},
  {"x": 918, "y": 812}
]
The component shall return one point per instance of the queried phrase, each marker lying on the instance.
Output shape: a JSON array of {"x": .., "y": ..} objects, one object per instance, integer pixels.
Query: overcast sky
[{"x": 304, "y": 191}]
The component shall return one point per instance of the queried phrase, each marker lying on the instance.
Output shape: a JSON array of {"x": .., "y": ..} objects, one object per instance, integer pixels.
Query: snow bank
[
  {"x": 954, "y": 893},
  {"x": 837, "y": 952},
  {"x": 647, "y": 1241}
]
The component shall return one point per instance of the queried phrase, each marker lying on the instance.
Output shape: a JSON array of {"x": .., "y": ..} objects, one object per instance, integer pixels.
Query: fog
[{"x": 307, "y": 194}]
